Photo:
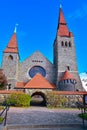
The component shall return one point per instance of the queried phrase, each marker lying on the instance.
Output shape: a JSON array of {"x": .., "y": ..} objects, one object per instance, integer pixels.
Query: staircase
[{"x": 46, "y": 127}]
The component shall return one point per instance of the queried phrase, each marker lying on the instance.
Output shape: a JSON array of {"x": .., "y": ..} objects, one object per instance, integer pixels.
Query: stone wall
[
  {"x": 66, "y": 101},
  {"x": 65, "y": 59},
  {"x": 10, "y": 68},
  {"x": 36, "y": 59}
]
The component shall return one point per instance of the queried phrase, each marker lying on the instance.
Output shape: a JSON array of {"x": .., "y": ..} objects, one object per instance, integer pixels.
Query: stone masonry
[{"x": 64, "y": 59}]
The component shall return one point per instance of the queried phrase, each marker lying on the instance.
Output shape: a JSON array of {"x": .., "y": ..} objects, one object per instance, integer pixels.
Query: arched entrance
[{"x": 38, "y": 99}]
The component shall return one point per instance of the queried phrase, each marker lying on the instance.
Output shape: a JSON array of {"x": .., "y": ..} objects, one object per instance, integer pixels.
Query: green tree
[{"x": 3, "y": 80}]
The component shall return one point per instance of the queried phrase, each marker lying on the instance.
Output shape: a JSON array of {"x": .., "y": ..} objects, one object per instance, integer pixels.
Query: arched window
[
  {"x": 68, "y": 67},
  {"x": 70, "y": 44},
  {"x": 66, "y": 43},
  {"x": 9, "y": 86},
  {"x": 10, "y": 57},
  {"x": 62, "y": 43}
]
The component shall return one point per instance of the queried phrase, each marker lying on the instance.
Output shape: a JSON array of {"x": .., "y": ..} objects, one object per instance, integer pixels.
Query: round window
[{"x": 37, "y": 69}]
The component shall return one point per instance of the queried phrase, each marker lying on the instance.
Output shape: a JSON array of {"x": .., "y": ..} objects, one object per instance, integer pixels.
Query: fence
[{"x": 3, "y": 114}]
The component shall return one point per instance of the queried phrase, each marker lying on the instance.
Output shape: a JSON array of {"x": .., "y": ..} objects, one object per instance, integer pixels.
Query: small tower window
[
  {"x": 62, "y": 43},
  {"x": 70, "y": 44},
  {"x": 9, "y": 86},
  {"x": 68, "y": 67},
  {"x": 10, "y": 57},
  {"x": 67, "y": 81},
  {"x": 64, "y": 82},
  {"x": 66, "y": 43}
]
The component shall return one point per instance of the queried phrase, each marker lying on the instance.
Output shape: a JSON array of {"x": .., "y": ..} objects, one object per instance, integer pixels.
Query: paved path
[
  {"x": 42, "y": 115},
  {"x": 49, "y": 118}
]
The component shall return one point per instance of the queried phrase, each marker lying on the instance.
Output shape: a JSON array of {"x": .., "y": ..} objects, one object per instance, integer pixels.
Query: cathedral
[{"x": 37, "y": 72}]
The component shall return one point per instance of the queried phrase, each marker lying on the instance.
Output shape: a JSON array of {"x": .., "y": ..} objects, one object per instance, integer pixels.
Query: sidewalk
[
  {"x": 50, "y": 119},
  {"x": 42, "y": 115}
]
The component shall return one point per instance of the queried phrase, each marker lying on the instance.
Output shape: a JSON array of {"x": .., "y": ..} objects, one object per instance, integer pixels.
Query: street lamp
[{"x": 74, "y": 82}]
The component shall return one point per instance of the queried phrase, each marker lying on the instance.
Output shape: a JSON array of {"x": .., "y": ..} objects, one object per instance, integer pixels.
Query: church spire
[
  {"x": 62, "y": 25},
  {"x": 12, "y": 46},
  {"x": 15, "y": 30}
]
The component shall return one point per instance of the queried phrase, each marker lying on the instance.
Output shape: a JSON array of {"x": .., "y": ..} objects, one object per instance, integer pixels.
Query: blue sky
[{"x": 38, "y": 21}]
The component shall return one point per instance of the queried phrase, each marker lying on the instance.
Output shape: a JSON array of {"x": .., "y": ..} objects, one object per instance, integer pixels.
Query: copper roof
[
  {"x": 62, "y": 26},
  {"x": 67, "y": 75},
  {"x": 12, "y": 45},
  {"x": 39, "y": 82}
]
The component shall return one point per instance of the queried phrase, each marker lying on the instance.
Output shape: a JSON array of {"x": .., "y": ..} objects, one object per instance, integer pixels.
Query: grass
[{"x": 83, "y": 116}]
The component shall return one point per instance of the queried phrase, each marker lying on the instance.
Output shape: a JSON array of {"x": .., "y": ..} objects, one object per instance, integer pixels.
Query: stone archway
[{"x": 38, "y": 99}]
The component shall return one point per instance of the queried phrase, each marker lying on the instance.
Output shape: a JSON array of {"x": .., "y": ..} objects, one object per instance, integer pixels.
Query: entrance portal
[{"x": 38, "y": 99}]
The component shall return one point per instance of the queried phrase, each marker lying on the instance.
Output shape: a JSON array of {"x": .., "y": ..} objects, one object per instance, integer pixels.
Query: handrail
[
  {"x": 5, "y": 116},
  {"x": 82, "y": 107}
]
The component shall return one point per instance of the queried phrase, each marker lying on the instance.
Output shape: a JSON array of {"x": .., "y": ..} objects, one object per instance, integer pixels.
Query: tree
[{"x": 3, "y": 80}]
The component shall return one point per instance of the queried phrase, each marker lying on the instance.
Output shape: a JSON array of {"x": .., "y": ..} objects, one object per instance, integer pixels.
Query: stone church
[{"x": 37, "y": 72}]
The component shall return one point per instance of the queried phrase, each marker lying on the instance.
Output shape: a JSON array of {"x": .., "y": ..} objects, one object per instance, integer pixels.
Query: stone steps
[{"x": 46, "y": 127}]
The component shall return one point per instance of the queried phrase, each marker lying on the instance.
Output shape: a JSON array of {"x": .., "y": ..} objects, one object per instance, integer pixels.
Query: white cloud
[
  {"x": 83, "y": 77},
  {"x": 79, "y": 13}
]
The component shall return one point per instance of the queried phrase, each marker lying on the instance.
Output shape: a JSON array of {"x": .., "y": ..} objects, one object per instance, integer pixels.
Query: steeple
[
  {"x": 62, "y": 25},
  {"x": 12, "y": 45}
]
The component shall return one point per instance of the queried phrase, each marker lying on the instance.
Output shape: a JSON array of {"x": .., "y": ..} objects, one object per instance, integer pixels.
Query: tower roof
[
  {"x": 12, "y": 45},
  {"x": 39, "y": 82},
  {"x": 67, "y": 75},
  {"x": 62, "y": 26}
]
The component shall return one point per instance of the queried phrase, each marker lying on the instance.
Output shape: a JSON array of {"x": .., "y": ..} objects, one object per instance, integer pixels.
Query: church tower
[
  {"x": 67, "y": 77},
  {"x": 10, "y": 61}
]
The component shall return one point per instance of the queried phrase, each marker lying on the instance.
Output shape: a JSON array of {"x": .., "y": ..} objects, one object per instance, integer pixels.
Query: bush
[
  {"x": 1, "y": 107},
  {"x": 1, "y": 120},
  {"x": 18, "y": 100},
  {"x": 84, "y": 115},
  {"x": 55, "y": 100}
]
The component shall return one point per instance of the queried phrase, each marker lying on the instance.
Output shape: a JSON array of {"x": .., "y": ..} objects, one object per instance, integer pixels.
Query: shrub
[
  {"x": 55, "y": 100},
  {"x": 1, "y": 107},
  {"x": 19, "y": 100},
  {"x": 3, "y": 80},
  {"x": 1, "y": 120},
  {"x": 84, "y": 115}
]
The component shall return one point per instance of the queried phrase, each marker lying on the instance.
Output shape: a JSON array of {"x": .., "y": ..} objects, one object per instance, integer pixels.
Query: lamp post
[{"x": 74, "y": 82}]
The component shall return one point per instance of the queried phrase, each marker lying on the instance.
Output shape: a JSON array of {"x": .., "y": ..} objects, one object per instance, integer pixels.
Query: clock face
[{"x": 37, "y": 69}]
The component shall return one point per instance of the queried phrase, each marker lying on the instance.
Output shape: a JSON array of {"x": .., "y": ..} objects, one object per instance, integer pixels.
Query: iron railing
[
  {"x": 83, "y": 108},
  {"x": 3, "y": 114}
]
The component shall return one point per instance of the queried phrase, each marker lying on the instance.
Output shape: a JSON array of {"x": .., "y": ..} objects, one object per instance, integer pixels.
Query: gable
[
  {"x": 37, "y": 57},
  {"x": 39, "y": 82},
  {"x": 37, "y": 61}
]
